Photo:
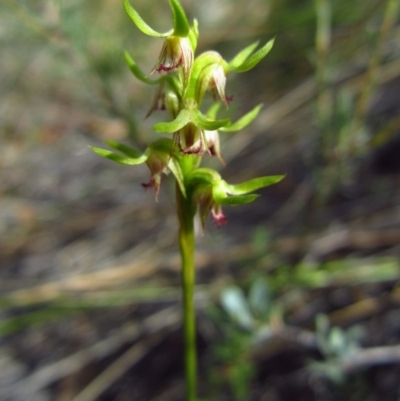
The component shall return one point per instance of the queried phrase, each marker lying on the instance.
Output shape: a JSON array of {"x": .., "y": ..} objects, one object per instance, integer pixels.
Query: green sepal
[
  {"x": 253, "y": 185},
  {"x": 137, "y": 72},
  {"x": 119, "y": 158},
  {"x": 180, "y": 121},
  {"x": 208, "y": 124},
  {"x": 125, "y": 149},
  {"x": 138, "y": 21},
  {"x": 236, "y": 199},
  {"x": 196, "y": 117},
  {"x": 243, "y": 121},
  {"x": 194, "y": 35},
  {"x": 254, "y": 58},
  {"x": 241, "y": 57},
  {"x": 181, "y": 24}
]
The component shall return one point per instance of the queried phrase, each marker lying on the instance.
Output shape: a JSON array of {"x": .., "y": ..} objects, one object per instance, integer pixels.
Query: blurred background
[{"x": 297, "y": 295}]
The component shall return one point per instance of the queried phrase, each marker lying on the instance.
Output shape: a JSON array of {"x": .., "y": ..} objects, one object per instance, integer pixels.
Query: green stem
[{"x": 186, "y": 211}]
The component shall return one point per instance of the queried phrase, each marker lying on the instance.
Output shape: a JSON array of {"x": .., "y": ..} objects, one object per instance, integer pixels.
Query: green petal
[
  {"x": 137, "y": 20},
  {"x": 255, "y": 58},
  {"x": 194, "y": 35},
  {"x": 253, "y": 185},
  {"x": 181, "y": 24},
  {"x": 180, "y": 121},
  {"x": 119, "y": 158},
  {"x": 240, "y": 58},
  {"x": 127, "y": 150},
  {"x": 206, "y": 123},
  {"x": 244, "y": 121},
  {"x": 236, "y": 199},
  {"x": 137, "y": 72}
]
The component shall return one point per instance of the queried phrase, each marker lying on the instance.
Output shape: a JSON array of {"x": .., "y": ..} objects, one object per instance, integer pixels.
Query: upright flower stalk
[
  {"x": 182, "y": 82},
  {"x": 186, "y": 212}
]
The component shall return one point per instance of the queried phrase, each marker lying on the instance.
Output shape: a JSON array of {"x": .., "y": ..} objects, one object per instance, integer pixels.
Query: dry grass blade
[
  {"x": 372, "y": 357},
  {"x": 117, "y": 369},
  {"x": 48, "y": 374}
]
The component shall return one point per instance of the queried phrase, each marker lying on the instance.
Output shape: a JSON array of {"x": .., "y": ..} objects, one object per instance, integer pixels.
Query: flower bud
[
  {"x": 210, "y": 192},
  {"x": 210, "y": 71}
]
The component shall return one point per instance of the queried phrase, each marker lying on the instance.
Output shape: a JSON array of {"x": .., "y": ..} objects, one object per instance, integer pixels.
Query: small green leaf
[
  {"x": 255, "y": 58},
  {"x": 253, "y": 185},
  {"x": 137, "y": 72},
  {"x": 337, "y": 342},
  {"x": 119, "y": 158},
  {"x": 236, "y": 199},
  {"x": 180, "y": 121},
  {"x": 181, "y": 24},
  {"x": 137, "y": 20},
  {"x": 235, "y": 304},
  {"x": 127, "y": 150},
  {"x": 244, "y": 121},
  {"x": 259, "y": 297},
  {"x": 240, "y": 58},
  {"x": 207, "y": 124}
]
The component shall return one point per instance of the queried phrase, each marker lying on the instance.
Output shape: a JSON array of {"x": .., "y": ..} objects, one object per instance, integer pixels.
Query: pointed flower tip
[
  {"x": 181, "y": 24},
  {"x": 138, "y": 21},
  {"x": 218, "y": 216}
]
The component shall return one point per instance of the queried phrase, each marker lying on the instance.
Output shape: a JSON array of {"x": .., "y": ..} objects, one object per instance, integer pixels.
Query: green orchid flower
[
  {"x": 160, "y": 157},
  {"x": 210, "y": 192},
  {"x": 208, "y": 74},
  {"x": 180, "y": 42},
  {"x": 188, "y": 128}
]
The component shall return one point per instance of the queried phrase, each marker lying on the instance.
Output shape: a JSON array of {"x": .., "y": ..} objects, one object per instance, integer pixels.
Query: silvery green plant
[{"x": 182, "y": 80}]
